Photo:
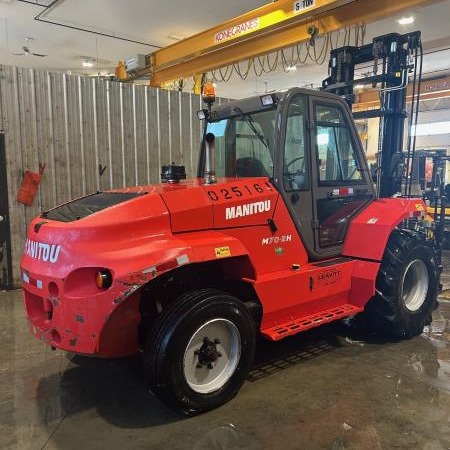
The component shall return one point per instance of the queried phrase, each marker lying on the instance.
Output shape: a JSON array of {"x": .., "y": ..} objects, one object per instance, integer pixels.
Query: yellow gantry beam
[
  {"x": 221, "y": 45},
  {"x": 251, "y": 24},
  {"x": 269, "y": 28}
]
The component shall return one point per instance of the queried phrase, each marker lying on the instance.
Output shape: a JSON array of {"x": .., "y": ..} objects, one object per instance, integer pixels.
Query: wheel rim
[
  {"x": 212, "y": 355},
  {"x": 415, "y": 285}
]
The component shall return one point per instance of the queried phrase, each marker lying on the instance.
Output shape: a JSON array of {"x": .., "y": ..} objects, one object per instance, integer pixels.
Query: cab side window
[
  {"x": 336, "y": 157},
  {"x": 295, "y": 172}
]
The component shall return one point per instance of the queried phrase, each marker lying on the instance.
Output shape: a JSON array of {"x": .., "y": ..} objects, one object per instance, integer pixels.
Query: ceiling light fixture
[
  {"x": 291, "y": 68},
  {"x": 87, "y": 63},
  {"x": 175, "y": 37},
  {"x": 406, "y": 20}
]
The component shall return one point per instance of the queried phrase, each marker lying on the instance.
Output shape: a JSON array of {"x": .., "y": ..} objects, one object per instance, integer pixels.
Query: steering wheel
[
  {"x": 296, "y": 180},
  {"x": 289, "y": 164}
]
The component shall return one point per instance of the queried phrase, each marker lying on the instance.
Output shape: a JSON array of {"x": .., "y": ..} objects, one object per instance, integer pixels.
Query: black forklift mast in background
[{"x": 396, "y": 58}]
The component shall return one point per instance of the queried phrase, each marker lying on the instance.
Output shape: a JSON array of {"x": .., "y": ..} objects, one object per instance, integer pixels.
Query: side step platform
[{"x": 305, "y": 323}]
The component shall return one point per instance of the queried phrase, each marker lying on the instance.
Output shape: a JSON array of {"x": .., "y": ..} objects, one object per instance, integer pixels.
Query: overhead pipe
[{"x": 52, "y": 5}]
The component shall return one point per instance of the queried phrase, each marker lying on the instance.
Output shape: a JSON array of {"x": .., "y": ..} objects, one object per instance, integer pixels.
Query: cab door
[
  {"x": 325, "y": 177},
  {"x": 341, "y": 184},
  {"x": 295, "y": 163}
]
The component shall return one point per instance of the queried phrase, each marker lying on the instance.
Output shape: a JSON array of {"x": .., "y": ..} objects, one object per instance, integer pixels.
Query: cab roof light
[
  {"x": 267, "y": 99},
  {"x": 202, "y": 114}
]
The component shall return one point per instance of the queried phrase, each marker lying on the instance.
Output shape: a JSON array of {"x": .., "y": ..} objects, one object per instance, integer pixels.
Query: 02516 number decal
[{"x": 236, "y": 192}]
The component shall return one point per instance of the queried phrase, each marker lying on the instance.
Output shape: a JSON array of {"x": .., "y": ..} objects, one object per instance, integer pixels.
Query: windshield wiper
[{"x": 250, "y": 122}]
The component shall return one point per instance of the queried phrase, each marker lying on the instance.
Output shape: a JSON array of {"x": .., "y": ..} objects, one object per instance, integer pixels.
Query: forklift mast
[{"x": 396, "y": 58}]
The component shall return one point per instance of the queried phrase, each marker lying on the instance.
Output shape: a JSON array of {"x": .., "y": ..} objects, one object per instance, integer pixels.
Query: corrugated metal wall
[{"x": 76, "y": 124}]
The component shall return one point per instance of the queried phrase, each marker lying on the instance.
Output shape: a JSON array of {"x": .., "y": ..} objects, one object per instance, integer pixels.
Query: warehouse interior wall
[{"x": 91, "y": 134}]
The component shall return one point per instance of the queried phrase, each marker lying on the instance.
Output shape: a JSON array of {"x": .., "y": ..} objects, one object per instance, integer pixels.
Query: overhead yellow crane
[{"x": 266, "y": 29}]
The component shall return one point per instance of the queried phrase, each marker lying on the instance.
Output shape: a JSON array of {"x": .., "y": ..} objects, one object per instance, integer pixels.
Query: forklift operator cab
[{"x": 306, "y": 143}]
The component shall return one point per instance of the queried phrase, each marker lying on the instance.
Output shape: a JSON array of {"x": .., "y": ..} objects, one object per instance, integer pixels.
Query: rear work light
[
  {"x": 103, "y": 279},
  {"x": 267, "y": 100},
  {"x": 202, "y": 114}
]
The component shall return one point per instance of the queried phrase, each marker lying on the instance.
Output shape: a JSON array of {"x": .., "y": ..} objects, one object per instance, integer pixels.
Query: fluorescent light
[
  {"x": 431, "y": 129},
  {"x": 291, "y": 68},
  {"x": 87, "y": 63},
  {"x": 406, "y": 20},
  {"x": 174, "y": 37}
]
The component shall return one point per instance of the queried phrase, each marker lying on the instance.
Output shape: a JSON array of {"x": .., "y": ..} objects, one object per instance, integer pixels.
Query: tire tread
[
  {"x": 159, "y": 337},
  {"x": 385, "y": 311}
]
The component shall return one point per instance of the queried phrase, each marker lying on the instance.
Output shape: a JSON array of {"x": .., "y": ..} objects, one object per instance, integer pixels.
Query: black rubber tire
[
  {"x": 387, "y": 312},
  {"x": 169, "y": 337}
]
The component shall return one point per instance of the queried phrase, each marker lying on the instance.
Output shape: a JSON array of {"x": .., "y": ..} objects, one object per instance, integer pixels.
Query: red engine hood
[
  {"x": 148, "y": 220},
  {"x": 229, "y": 203}
]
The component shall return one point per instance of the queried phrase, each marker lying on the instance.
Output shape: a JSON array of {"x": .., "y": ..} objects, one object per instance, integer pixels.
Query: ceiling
[
  {"x": 148, "y": 21},
  {"x": 151, "y": 24}
]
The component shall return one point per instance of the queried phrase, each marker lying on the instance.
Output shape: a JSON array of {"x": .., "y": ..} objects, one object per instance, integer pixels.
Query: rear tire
[
  {"x": 200, "y": 350},
  {"x": 406, "y": 287}
]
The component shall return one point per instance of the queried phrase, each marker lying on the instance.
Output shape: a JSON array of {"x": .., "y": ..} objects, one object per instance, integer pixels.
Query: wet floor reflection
[
  {"x": 331, "y": 388},
  {"x": 225, "y": 437}
]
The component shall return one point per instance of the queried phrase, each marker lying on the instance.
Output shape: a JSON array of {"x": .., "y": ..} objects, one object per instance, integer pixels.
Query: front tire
[
  {"x": 406, "y": 287},
  {"x": 200, "y": 350}
]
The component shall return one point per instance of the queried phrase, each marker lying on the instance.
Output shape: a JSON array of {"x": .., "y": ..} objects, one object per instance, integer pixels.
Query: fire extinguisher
[{"x": 30, "y": 185}]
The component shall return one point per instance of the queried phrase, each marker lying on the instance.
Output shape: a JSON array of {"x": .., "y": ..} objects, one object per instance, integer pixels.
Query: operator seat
[{"x": 250, "y": 167}]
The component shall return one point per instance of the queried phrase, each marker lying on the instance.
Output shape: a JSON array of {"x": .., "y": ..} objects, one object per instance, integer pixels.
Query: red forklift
[{"x": 283, "y": 230}]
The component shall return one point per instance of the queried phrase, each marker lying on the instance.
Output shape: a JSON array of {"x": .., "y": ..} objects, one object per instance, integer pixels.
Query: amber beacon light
[{"x": 209, "y": 93}]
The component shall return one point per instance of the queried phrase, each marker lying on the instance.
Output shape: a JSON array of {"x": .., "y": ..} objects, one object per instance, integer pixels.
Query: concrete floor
[{"x": 318, "y": 390}]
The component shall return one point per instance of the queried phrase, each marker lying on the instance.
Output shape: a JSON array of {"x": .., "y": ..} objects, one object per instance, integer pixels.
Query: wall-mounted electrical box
[{"x": 135, "y": 62}]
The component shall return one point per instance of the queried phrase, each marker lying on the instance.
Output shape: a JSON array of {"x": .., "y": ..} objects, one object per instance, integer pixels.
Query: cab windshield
[{"x": 244, "y": 144}]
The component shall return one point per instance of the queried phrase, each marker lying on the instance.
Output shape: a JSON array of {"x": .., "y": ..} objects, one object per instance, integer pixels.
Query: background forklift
[{"x": 431, "y": 167}]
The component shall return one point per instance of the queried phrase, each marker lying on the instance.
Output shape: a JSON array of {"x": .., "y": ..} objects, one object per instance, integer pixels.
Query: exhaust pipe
[{"x": 210, "y": 170}]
